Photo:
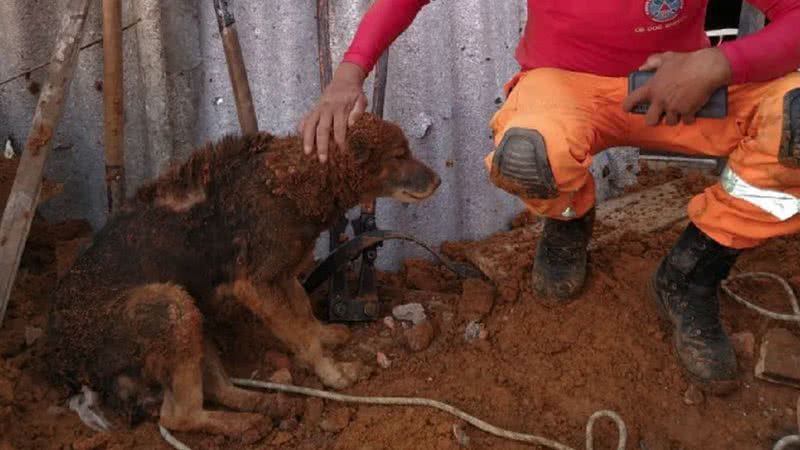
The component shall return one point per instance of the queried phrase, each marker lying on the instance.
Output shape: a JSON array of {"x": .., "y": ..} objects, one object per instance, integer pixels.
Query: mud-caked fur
[{"x": 233, "y": 225}]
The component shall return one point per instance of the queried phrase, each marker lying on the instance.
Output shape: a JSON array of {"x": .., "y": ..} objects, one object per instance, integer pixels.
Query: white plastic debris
[
  {"x": 412, "y": 312},
  {"x": 87, "y": 405},
  {"x": 9, "y": 152}
]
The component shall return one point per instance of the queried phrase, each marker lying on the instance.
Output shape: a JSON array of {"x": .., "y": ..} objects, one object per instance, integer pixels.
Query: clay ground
[{"x": 535, "y": 369}]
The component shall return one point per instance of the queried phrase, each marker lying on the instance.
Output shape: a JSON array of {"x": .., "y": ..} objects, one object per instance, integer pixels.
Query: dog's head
[{"x": 389, "y": 169}]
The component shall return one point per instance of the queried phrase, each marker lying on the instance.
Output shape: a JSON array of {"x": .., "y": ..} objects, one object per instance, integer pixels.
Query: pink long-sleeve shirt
[{"x": 610, "y": 37}]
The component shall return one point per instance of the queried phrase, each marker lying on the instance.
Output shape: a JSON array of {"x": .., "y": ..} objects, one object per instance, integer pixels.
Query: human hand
[
  {"x": 682, "y": 84},
  {"x": 341, "y": 102}
]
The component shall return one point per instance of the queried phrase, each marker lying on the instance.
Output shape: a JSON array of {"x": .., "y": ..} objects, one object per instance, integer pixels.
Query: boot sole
[{"x": 716, "y": 387}]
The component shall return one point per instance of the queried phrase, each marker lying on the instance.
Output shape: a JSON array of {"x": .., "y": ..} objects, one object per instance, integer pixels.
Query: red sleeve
[
  {"x": 772, "y": 52},
  {"x": 382, "y": 24}
]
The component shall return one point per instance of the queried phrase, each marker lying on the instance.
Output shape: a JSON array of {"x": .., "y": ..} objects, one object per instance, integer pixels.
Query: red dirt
[{"x": 541, "y": 369}]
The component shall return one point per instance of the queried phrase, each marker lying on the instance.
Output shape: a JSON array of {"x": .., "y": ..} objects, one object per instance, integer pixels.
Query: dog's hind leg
[
  {"x": 219, "y": 389},
  {"x": 168, "y": 330}
]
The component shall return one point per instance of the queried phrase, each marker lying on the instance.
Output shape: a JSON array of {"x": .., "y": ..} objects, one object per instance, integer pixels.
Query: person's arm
[
  {"x": 382, "y": 24},
  {"x": 344, "y": 98},
  {"x": 769, "y": 53}
]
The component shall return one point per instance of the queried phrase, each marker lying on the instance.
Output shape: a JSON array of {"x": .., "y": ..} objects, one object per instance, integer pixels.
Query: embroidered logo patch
[{"x": 663, "y": 10}]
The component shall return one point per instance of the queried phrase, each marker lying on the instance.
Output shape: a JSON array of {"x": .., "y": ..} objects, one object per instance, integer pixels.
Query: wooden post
[
  {"x": 114, "y": 111},
  {"x": 324, "y": 44},
  {"x": 750, "y": 19},
  {"x": 24, "y": 196},
  {"x": 237, "y": 71}
]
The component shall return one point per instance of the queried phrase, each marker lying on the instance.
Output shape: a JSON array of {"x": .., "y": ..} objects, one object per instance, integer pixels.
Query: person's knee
[
  {"x": 520, "y": 165},
  {"x": 789, "y": 153}
]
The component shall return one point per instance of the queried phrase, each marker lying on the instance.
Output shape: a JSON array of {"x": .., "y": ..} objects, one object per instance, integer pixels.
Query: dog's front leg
[{"x": 273, "y": 305}]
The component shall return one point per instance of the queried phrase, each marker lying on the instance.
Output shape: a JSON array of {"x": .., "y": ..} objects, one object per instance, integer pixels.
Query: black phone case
[{"x": 716, "y": 108}]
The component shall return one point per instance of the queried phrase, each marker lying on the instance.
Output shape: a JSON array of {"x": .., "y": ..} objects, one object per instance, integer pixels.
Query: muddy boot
[
  {"x": 559, "y": 267},
  {"x": 685, "y": 290}
]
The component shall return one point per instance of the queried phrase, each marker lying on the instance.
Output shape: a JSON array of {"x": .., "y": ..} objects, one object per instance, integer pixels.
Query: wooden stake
[
  {"x": 24, "y": 196},
  {"x": 237, "y": 71},
  {"x": 113, "y": 102},
  {"x": 324, "y": 44}
]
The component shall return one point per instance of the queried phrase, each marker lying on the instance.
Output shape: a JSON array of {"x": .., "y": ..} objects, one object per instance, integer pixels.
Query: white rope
[
  {"x": 765, "y": 312},
  {"x": 415, "y": 401},
  {"x": 784, "y": 443}
]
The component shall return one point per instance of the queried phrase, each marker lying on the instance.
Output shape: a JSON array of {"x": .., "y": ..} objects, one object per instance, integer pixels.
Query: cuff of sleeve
[
  {"x": 737, "y": 60},
  {"x": 359, "y": 60}
]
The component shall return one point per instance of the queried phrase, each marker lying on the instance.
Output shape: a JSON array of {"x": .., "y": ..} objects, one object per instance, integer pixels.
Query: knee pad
[
  {"x": 789, "y": 153},
  {"x": 520, "y": 165}
]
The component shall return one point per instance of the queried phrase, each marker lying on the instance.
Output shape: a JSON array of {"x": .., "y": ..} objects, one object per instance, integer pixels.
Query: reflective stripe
[
  {"x": 569, "y": 213},
  {"x": 779, "y": 204}
]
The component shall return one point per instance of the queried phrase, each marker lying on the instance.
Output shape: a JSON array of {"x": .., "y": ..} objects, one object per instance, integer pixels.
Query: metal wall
[{"x": 445, "y": 81}]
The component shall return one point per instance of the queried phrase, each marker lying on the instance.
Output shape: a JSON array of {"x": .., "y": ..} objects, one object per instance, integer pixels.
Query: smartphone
[{"x": 716, "y": 108}]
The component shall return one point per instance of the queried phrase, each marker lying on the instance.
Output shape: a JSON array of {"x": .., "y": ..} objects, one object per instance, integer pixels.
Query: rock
[
  {"x": 6, "y": 391},
  {"x": 779, "y": 359},
  {"x": 313, "y": 412},
  {"x": 419, "y": 337},
  {"x": 277, "y": 360},
  {"x": 745, "y": 344},
  {"x": 281, "y": 376},
  {"x": 288, "y": 424},
  {"x": 281, "y": 438},
  {"x": 693, "y": 396},
  {"x": 474, "y": 331},
  {"x": 383, "y": 360},
  {"x": 477, "y": 299},
  {"x": 32, "y": 334},
  {"x": 412, "y": 312},
  {"x": 336, "y": 421}
]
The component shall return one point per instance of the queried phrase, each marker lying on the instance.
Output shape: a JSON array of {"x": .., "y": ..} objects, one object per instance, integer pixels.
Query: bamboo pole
[
  {"x": 245, "y": 109},
  {"x": 23, "y": 199},
  {"x": 114, "y": 110}
]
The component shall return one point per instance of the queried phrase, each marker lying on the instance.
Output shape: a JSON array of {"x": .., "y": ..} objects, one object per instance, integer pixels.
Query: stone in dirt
[
  {"x": 419, "y": 337},
  {"x": 779, "y": 359},
  {"x": 693, "y": 396},
  {"x": 477, "y": 299},
  {"x": 411, "y": 312},
  {"x": 383, "y": 360},
  {"x": 281, "y": 438},
  {"x": 745, "y": 344},
  {"x": 336, "y": 421},
  {"x": 474, "y": 331},
  {"x": 32, "y": 334},
  {"x": 281, "y": 376}
]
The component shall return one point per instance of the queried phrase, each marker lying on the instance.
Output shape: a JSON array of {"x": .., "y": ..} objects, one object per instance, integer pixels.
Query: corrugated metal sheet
[{"x": 445, "y": 80}]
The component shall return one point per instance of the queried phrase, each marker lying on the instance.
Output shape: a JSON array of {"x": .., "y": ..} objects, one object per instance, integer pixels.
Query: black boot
[
  {"x": 559, "y": 267},
  {"x": 685, "y": 290}
]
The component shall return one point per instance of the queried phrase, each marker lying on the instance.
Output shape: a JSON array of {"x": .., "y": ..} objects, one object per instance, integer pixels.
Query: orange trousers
[{"x": 580, "y": 114}]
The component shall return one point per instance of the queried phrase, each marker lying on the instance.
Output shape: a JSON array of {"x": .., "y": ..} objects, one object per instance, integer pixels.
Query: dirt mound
[{"x": 533, "y": 368}]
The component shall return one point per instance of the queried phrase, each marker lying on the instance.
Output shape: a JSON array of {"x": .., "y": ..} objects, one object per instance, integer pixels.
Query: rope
[
  {"x": 784, "y": 443},
  {"x": 415, "y": 401},
  {"x": 765, "y": 312}
]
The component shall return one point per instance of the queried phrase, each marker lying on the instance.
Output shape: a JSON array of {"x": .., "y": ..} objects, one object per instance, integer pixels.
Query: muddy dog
[{"x": 235, "y": 223}]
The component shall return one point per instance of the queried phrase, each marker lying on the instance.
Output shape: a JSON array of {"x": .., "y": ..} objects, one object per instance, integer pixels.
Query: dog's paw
[
  {"x": 340, "y": 375},
  {"x": 334, "y": 335}
]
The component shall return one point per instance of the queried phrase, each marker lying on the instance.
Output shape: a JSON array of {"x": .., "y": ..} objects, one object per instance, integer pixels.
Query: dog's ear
[{"x": 364, "y": 136}]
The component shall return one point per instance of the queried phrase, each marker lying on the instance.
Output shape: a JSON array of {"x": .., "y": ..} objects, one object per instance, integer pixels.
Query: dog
[{"x": 235, "y": 224}]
